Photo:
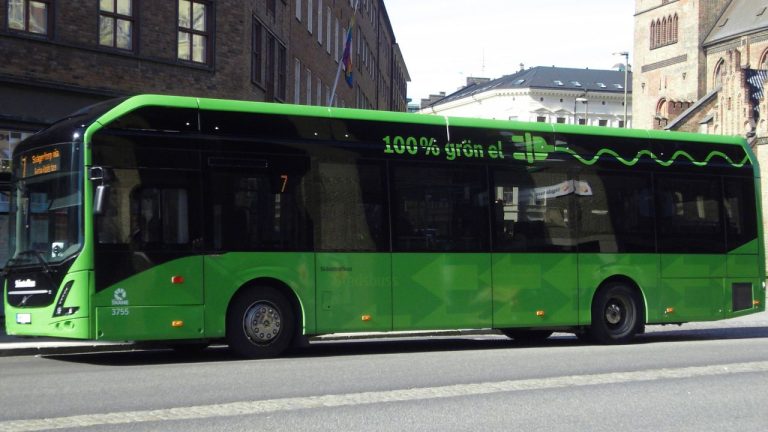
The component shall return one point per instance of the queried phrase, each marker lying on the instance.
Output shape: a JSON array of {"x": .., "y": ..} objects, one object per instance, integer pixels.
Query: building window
[
  {"x": 257, "y": 53},
  {"x": 719, "y": 73},
  {"x": 281, "y": 92},
  {"x": 664, "y": 31},
  {"x": 116, "y": 24},
  {"x": 296, "y": 81},
  {"x": 541, "y": 119},
  {"x": 193, "y": 31},
  {"x": 269, "y": 63},
  {"x": 328, "y": 24},
  {"x": 30, "y": 16},
  {"x": 763, "y": 64},
  {"x": 320, "y": 22}
]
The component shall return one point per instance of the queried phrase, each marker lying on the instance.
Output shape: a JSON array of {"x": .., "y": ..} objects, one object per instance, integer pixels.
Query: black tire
[
  {"x": 618, "y": 314},
  {"x": 527, "y": 337},
  {"x": 260, "y": 323}
]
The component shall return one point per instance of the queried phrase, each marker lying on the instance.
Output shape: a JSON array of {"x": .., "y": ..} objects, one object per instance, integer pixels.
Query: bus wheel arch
[
  {"x": 263, "y": 319},
  {"x": 618, "y": 311}
]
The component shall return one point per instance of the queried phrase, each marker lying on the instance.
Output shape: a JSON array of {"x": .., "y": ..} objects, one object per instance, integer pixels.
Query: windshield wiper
[{"x": 37, "y": 254}]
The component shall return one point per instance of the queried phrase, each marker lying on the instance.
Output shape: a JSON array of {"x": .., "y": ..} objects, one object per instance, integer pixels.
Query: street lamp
[
  {"x": 626, "y": 71},
  {"x": 583, "y": 99}
]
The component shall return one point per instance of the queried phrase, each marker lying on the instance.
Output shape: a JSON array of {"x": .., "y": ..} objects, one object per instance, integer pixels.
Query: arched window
[
  {"x": 664, "y": 30},
  {"x": 661, "y": 108},
  {"x": 717, "y": 76},
  {"x": 658, "y": 32},
  {"x": 763, "y": 60},
  {"x": 674, "y": 28},
  {"x": 653, "y": 34}
]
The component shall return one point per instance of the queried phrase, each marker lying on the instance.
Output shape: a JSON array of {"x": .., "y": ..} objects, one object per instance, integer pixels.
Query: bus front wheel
[
  {"x": 617, "y": 314},
  {"x": 260, "y": 323}
]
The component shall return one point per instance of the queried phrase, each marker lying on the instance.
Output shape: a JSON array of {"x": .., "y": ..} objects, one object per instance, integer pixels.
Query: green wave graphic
[{"x": 641, "y": 153}]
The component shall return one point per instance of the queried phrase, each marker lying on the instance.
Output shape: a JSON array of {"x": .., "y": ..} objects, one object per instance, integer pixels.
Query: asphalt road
[{"x": 697, "y": 378}]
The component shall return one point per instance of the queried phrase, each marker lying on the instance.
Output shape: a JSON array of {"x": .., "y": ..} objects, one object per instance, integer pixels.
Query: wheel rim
[
  {"x": 618, "y": 314},
  {"x": 262, "y": 322}
]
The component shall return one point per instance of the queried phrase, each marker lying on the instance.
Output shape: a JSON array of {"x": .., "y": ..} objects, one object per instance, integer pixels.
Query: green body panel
[
  {"x": 524, "y": 284},
  {"x": 354, "y": 292},
  {"x": 225, "y": 274},
  {"x": 149, "y": 322},
  {"x": 693, "y": 299},
  {"x": 154, "y": 287},
  {"x": 441, "y": 291},
  {"x": 677, "y": 266},
  {"x": 642, "y": 269},
  {"x": 743, "y": 266},
  {"x": 43, "y": 323}
]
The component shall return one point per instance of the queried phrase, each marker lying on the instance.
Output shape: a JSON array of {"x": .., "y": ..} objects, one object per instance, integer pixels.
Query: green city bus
[{"x": 178, "y": 219}]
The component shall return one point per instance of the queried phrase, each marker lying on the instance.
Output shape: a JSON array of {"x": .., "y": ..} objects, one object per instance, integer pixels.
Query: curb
[{"x": 47, "y": 346}]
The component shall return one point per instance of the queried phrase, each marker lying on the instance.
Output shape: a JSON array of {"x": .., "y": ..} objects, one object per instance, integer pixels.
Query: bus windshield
[{"x": 46, "y": 201}]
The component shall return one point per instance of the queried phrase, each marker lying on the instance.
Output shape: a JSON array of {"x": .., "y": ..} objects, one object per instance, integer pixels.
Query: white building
[{"x": 545, "y": 94}]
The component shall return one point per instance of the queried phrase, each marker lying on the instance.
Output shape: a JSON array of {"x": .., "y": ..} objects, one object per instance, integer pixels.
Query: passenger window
[
  {"x": 615, "y": 212},
  {"x": 160, "y": 216},
  {"x": 740, "y": 211},
  {"x": 689, "y": 218},
  {"x": 352, "y": 212},
  {"x": 440, "y": 208},
  {"x": 532, "y": 211}
]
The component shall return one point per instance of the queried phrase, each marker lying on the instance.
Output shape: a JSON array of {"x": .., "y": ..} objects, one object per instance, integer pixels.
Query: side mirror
[
  {"x": 100, "y": 199},
  {"x": 103, "y": 175}
]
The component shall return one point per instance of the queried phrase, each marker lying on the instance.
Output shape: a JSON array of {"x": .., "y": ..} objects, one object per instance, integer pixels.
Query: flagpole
[{"x": 341, "y": 63}]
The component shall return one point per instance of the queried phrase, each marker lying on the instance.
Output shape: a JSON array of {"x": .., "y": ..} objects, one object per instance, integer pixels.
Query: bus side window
[
  {"x": 689, "y": 217},
  {"x": 159, "y": 216}
]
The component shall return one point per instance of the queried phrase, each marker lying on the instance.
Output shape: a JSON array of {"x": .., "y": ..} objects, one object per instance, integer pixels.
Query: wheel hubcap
[
  {"x": 613, "y": 314},
  {"x": 262, "y": 323}
]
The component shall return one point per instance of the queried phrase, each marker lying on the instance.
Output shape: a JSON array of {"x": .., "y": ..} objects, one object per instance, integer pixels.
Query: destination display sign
[{"x": 42, "y": 162}]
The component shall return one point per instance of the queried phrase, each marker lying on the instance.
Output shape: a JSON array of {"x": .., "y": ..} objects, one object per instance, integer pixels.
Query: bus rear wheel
[
  {"x": 260, "y": 323},
  {"x": 617, "y": 314}
]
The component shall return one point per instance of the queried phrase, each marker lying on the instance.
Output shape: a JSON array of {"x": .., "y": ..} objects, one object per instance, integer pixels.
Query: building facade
[
  {"x": 60, "y": 56},
  {"x": 706, "y": 71},
  {"x": 699, "y": 65},
  {"x": 543, "y": 94}
]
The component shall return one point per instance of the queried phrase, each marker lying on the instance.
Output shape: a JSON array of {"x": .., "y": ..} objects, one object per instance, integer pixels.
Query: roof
[
  {"x": 741, "y": 17},
  {"x": 555, "y": 78},
  {"x": 692, "y": 109}
]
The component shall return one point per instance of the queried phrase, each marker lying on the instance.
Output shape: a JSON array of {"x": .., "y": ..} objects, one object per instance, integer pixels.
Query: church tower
[{"x": 670, "y": 73}]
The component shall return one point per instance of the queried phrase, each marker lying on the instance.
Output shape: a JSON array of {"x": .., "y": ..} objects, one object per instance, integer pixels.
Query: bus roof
[{"x": 139, "y": 101}]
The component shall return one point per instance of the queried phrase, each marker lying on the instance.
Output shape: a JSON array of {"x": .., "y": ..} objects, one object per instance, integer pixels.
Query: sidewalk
[{"x": 15, "y": 346}]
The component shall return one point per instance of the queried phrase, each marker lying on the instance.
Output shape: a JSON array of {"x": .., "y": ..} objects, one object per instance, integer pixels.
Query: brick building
[
  {"x": 701, "y": 66},
  {"x": 59, "y": 56}
]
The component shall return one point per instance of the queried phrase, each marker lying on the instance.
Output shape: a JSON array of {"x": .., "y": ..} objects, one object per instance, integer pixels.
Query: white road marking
[{"x": 367, "y": 398}]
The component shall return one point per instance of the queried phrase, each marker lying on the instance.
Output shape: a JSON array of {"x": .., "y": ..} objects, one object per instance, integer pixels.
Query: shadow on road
[{"x": 400, "y": 345}]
